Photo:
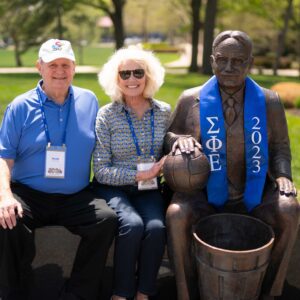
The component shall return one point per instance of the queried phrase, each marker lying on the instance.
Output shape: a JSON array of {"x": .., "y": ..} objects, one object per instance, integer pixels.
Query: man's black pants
[{"x": 82, "y": 214}]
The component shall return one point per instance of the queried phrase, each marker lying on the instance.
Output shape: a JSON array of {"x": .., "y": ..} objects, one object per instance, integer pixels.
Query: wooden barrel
[{"x": 232, "y": 253}]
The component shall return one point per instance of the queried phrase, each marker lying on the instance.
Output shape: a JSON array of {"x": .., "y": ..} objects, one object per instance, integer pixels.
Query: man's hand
[
  {"x": 286, "y": 187},
  {"x": 9, "y": 209},
  {"x": 9, "y": 206},
  {"x": 186, "y": 145}
]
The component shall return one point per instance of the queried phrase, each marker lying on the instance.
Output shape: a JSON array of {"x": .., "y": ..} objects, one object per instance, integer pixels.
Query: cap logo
[
  {"x": 57, "y": 46},
  {"x": 54, "y": 49}
]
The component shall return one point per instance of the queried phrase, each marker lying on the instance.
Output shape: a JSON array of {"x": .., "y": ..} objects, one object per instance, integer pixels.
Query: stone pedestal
[{"x": 55, "y": 252}]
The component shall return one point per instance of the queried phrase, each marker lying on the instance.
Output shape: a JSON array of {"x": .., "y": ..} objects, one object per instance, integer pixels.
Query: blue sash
[{"x": 213, "y": 138}]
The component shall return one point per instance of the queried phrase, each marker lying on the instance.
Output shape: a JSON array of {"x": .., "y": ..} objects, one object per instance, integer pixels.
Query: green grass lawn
[
  {"x": 12, "y": 85},
  {"x": 294, "y": 133},
  {"x": 92, "y": 56}
]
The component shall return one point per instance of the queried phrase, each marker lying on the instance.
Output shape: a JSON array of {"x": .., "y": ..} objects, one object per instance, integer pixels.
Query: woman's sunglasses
[{"x": 137, "y": 73}]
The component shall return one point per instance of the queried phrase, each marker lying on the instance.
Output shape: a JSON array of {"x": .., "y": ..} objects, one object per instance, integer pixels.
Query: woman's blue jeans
[{"x": 141, "y": 239}]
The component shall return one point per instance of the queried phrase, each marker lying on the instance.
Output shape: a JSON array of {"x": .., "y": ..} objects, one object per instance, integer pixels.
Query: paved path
[
  {"x": 178, "y": 67},
  {"x": 185, "y": 57}
]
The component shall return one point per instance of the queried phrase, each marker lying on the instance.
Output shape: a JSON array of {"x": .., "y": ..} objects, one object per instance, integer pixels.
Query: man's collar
[
  {"x": 42, "y": 93},
  {"x": 45, "y": 97},
  {"x": 238, "y": 96}
]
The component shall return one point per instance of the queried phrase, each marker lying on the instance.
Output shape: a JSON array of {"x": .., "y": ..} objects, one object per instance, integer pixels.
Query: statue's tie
[{"x": 230, "y": 112}]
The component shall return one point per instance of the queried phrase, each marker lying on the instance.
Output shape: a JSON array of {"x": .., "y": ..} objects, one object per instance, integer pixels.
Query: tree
[
  {"x": 296, "y": 24},
  {"x": 60, "y": 7},
  {"x": 195, "y": 11},
  {"x": 163, "y": 18},
  {"x": 24, "y": 23},
  {"x": 268, "y": 24},
  {"x": 209, "y": 26},
  {"x": 29, "y": 22},
  {"x": 282, "y": 35},
  {"x": 114, "y": 9},
  {"x": 80, "y": 19}
]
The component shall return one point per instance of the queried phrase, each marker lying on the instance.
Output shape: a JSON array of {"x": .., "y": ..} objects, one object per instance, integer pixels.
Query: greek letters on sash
[{"x": 213, "y": 138}]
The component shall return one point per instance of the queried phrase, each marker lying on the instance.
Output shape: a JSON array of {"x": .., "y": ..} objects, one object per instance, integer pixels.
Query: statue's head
[{"x": 231, "y": 59}]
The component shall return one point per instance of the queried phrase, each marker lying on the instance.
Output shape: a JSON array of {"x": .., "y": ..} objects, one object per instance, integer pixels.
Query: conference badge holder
[
  {"x": 150, "y": 184},
  {"x": 55, "y": 162}
]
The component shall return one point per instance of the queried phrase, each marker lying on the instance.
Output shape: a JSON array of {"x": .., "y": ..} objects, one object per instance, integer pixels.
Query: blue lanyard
[
  {"x": 134, "y": 137},
  {"x": 45, "y": 120}
]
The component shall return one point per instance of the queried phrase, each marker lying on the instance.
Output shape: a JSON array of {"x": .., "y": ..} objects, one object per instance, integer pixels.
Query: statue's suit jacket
[{"x": 185, "y": 120}]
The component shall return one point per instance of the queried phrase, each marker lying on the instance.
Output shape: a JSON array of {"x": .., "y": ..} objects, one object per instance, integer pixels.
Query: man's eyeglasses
[{"x": 137, "y": 73}]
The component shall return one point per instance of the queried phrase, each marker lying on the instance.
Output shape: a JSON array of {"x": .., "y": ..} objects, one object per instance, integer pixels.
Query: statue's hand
[
  {"x": 186, "y": 145},
  {"x": 286, "y": 186}
]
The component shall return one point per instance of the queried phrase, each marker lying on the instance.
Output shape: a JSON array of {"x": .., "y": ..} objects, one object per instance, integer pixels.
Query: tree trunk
[
  {"x": 117, "y": 19},
  {"x": 59, "y": 19},
  {"x": 209, "y": 26},
  {"x": 116, "y": 16},
  {"x": 195, "y": 6},
  {"x": 144, "y": 23},
  {"x": 282, "y": 35},
  {"x": 17, "y": 54}
]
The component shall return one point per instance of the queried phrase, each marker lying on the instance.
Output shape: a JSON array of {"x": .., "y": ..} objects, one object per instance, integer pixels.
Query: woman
[{"x": 127, "y": 163}]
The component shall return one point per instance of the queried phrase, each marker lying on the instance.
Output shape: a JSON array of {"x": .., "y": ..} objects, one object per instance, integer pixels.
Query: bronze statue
[{"x": 255, "y": 141}]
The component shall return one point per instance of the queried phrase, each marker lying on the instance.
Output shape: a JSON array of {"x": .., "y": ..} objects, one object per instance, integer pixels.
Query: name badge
[
  {"x": 55, "y": 162},
  {"x": 150, "y": 184}
]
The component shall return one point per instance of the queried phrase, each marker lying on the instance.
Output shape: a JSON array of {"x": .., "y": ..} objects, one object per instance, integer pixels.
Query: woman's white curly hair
[{"x": 108, "y": 76}]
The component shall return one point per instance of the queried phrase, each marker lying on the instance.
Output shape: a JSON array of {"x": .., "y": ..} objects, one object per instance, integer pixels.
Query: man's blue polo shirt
[{"x": 23, "y": 138}]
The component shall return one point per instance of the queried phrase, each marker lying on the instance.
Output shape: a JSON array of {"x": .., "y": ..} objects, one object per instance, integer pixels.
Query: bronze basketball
[{"x": 186, "y": 172}]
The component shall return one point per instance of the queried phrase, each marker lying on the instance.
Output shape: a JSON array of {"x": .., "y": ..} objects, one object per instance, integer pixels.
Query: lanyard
[
  {"x": 45, "y": 120},
  {"x": 134, "y": 137}
]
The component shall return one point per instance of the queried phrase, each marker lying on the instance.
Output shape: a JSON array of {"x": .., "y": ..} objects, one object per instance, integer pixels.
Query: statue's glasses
[
  {"x": 137, "y": 73},
  {"x": 222, "y": 61}
]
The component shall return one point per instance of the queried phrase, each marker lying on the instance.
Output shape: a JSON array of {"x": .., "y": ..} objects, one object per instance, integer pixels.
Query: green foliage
[
  {"x": 169, "y": 17},
  {"x": 114, "y": 9},
  {"x": 80, "y": 25},
  {"x": 32, "y": 21},
  {"x": 297, "y": 103},
  {"x": 266, "y": 9},
  {"x": 23, "y": 22},
  {"x": 27, "y": 23},
  {"x": 262, "y": 20}
]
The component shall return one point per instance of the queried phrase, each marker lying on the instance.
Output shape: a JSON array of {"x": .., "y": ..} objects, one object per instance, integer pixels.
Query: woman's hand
[{"x": 153, "y": 172}]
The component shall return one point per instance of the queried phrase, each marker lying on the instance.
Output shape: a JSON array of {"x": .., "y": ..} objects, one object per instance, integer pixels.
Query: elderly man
[
  {"x": 242, "y": 130},
  {"x": 46, "y": 142}
]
